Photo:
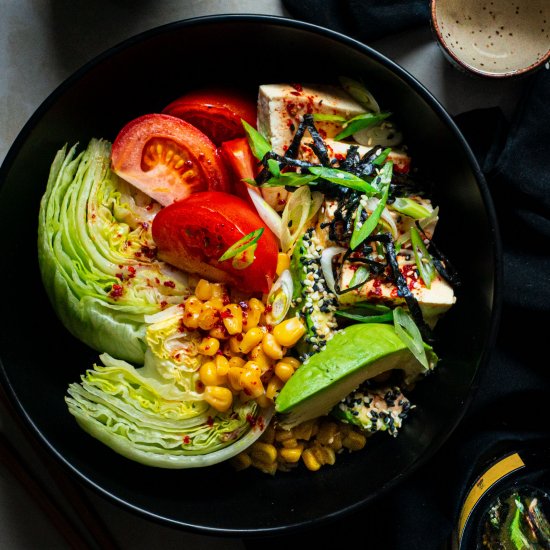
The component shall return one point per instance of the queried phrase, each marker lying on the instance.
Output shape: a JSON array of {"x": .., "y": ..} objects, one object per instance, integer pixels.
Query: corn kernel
[
  {"x": 304, "y": 430},
  {"x": 218, "y": 397},
  {"x": 219, "y": 332},
  {"x": 284, "y": 435},
  {"x": 292, "y": 361},
  {"x": 222, "y": 365},
  {"x": 234, "y": 377},
  {"x": 264, "y": 452},
  {"x": 291, "y": 455},
  {"x": 236, "y": 362},
  {"x": 203, "y": 290},
  {"x": 284, "y": 371},
  {"x": 289, "y": 332},
  {"x": 327, "y": 432},
  {"x": 215, "y": 303},
  {"x": 263, "y": 401},
  {"x": 269, "y": 435},
  {"x": 310, "y": 460},
  {"x": 265, "y": 467},
  {"x": 208, "y": 317},
  {"x": 273, "y": 387},
  {"x": 232, "y": 316},
  {"x": 283, "y": 262},
  {"x": 251, "y": 338},
  {"x": 209, "y": 375},
  {"x": 235, "y": 344},
  {"x": 251, "y": 383},
  {"x": 258, "y": 355},
  {"x": 209, "y": 346},
  {"x": 354, "y": 441},
  {"x": 290, "y": 443},
  {"x": 254, "y": 312},
  {"x": 271, "y": 347},
  {"x": 191, "y": 312},
  {"x": 241, "y": 461},
  {"x": 218, "y": 290}
]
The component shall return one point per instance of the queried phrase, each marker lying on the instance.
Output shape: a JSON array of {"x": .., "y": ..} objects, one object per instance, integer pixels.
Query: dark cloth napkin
[{"x": 510, "y": 408}]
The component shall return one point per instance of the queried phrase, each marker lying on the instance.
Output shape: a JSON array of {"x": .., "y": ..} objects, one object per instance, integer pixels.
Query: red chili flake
[
  {"x": 199, "y": 385},
  {"x": 281, "y": 201},
  {"x": 297, "y": 87},
  {"x": 116, "y": 291},
  {"x": 137, "y": 254},
  {"x": 376, "y": 284},
  {"x": 394, "y": 292},
  {"x": 260, "y": 422},
  {"x": 239, "y": 337},
  {"x": 157, "y": 280},
  {"x": 210, "y": 421},
  {"x": 148, "y": 251},
  {"x": 268, "y": 308},
  {"x": 340, "y": 157},
  {"x": 169, "y": 284},
  {"x": 226, "y": 314},
  {"x": 226, "y": 300},
  {"x": 119, "y": 276},
  {"x": 285, "y": 148},
  {"x": 163, "y": 304},
  {"x": 291, "y": 108},
  {"x": 131, "y": 272},
  {"x": 186, "y": 439},
  {"x": 295, "y": 93},
  {"x": 251, "y": 420}
]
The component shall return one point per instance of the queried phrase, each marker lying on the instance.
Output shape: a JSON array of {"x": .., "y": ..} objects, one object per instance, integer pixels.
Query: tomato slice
[
  {"x": 167, "y": 158},
  {"x": 216, "y": 111},
  {"x": 241, "y": 164},
  {"x": 194, "y": 233}
]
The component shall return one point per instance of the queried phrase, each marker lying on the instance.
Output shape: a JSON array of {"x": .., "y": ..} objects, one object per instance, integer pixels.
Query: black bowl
[{"x": 39, "y": 357}]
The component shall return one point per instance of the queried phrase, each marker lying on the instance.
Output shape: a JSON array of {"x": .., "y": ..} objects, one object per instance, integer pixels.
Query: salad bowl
[{"x": 39, "y": 358}]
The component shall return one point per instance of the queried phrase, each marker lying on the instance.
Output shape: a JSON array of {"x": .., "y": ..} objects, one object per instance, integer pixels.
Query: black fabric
[{"x": 510, "y": 408}]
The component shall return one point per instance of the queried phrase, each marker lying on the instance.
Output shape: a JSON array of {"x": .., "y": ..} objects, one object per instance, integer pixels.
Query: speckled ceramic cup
[{"x": 494, "y": 38}]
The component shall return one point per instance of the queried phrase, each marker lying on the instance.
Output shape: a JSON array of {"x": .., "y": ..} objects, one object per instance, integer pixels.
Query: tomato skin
[
  {"x": 215, "y": 111},
  {"x": 167, "y": 158},
  {"x": 241, "y": 164},
  {"x": 193, "y": 233}
]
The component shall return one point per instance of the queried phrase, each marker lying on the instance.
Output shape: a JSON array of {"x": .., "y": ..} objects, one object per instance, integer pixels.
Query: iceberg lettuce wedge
[
  {"x": 97, "y": 256},
  {"x": 140, "y": 416}
]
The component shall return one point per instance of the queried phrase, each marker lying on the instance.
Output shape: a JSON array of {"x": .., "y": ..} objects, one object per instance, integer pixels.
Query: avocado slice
[{"x": 353, "y": 355}]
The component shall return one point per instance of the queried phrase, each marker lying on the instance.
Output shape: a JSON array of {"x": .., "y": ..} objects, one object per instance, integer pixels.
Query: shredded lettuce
[{"x": 97, "y": 256}]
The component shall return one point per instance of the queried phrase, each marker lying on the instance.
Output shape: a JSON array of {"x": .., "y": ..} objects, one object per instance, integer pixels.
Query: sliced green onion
[
  {"x": 295, "y": 216},
  {"x": 361, "y": 232},
  {"x": 280, "y": 298},
  {"x": 360, "y": 277},
  {"x": 424, "y": 262},
  {"x": 290, "y": 179},
  {"x": 374, "y": 308},
  {"x": 360, "y": 122},
  {"x": 356, "y": 90},
  {"x": 341, "y": 177},
  {"x": 267, "y": 213},
  {"x": 319, "y": 117},
  {"x": 385, "y": 318},
  {"x": 259, "y": 145},
  {"x": 274, "y": 167},
  {"x": 385, "y": 135},
  {"x": 381, "y": 158},
  {"x": 408, "y": 332},
  {"x": 245, "y": 258},
  {"x": 410, "y": 208},
  {"x": 242, "y": 245}
]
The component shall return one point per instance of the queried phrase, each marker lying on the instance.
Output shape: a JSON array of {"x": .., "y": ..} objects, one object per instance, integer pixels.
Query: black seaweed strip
[
  {"x": 294, "y": 148},
  {"x": 448, "y": 272},
  {"x": 321, "y": 152},
  {"x": 352, "y": 158}
]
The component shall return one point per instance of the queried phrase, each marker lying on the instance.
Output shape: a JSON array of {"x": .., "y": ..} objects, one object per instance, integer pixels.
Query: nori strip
[{"x": 320, "y": 149}]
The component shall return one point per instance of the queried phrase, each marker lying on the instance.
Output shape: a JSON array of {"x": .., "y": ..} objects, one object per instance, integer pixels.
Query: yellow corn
[
  {"x": 241, "y": 461},
  {"x": 209, "y": 376},
  {"x": 215, "y": 303},
  {"x": 251, "y": 338},
  {"x": 234, "y": 345},
  {"x": 283, "y": 262},
  {"x": 209, "y": 346},
  {"x": 258, "y": 355},
  {"x": 271, "y": 347},
  {"x": 291, "y": 455},
  {"x": 234, "y": 377},
  {"x": 305, "y": 429},
  {"x": 310, "y": 460},
  {"x": 292, "y": 361},
  {"x": 218, "y": 397},
  {"x": 254, "y": 312},
  {"x": 236, "y": 362},
  {"x": 354, "y": 441},
  {"x": 218, "y": 290},
  {"x": 289, "y": 332},
  {"x": 203, "y": 290},
  {"x": 219, "y": 332},
  {"x": 265, "y": 467},
  {"x": 284, "y": 435},
  {"x": 222, "y": 365},
  {"x": 269, "y": 435},
  {"x": 327, "y": 432},
  {"x": 284, "y": 371},
  {"x": 263, "y": 401},
  {"x": 232, "y": 316},
  {"x": 290, "y": 443},
  {"x": 264, "y": 452},
  {"x": 324, "y": 455},
  {"x": 251, "y": 383},
  {"x": 208, "y": 317},
  {"x": 273, "y": 387},
  {"x": 191, "y": 312}
]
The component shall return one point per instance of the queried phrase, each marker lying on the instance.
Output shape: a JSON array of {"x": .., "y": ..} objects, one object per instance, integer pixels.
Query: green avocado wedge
[{"x": 351, "y": 356}]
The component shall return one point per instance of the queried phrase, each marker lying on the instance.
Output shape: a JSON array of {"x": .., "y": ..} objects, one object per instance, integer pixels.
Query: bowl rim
[
  {"x": 470, "y": 68},
  {"x": 495, "y": 245}
]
